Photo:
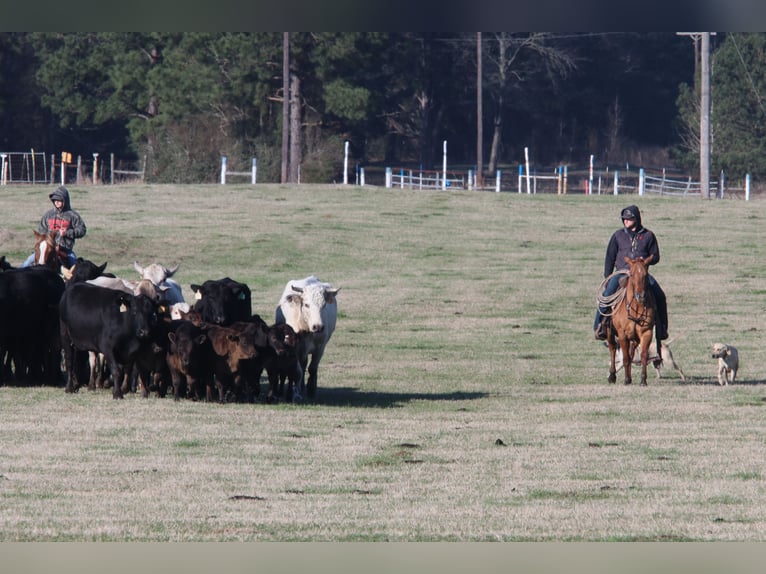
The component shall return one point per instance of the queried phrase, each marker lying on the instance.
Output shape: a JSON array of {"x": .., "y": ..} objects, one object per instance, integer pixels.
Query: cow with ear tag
[
  {"x": 107, "y": 321},
  {"x": 309, "y": 306}
]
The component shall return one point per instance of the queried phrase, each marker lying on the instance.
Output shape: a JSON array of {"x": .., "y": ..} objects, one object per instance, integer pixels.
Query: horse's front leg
[
  {"x": 627, "y": 361},
  {"x": 646, "y": 341},
  {"x": 612, "y": 369}
]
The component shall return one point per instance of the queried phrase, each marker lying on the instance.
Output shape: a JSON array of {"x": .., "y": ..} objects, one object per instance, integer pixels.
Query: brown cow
[{"x": 230, "y": 346}]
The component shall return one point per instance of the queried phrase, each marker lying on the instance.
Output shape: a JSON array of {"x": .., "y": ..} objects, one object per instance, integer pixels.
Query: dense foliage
[{"x": 184, "y": 99}]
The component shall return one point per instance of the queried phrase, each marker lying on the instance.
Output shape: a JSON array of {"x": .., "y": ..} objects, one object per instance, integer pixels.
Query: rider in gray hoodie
[{"x": 65, "y": 222}]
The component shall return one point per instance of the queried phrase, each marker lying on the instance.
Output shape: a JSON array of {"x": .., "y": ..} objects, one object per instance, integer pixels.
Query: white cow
[
  {"x": 170, "y": 291},
  {"x": 309, "y": 307},
  {"x": 156, "y": 273}
]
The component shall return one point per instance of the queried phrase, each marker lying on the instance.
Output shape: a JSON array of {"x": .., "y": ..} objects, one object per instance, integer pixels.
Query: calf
[
  {"x": 106, "y": 321},
  {"x": 282, "y": 364},
  {"x": 189, "y": 360},
  {"x": 250, "y": 369},
  {"x": 230, "y": 346}
]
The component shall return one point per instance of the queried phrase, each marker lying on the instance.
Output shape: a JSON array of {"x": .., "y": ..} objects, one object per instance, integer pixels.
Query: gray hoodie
[{"x": 66, "y": 222}]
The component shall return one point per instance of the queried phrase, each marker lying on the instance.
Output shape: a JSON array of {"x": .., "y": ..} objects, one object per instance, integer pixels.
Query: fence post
[
  {"x": 95, "y": 168},
  {"x": 526, "y": 160},
  {"x": 521, "y": 174},
  {"x": 444, "y": 166},
  {"x": 616, "y": 182},
  {"x": 111, "y": 168},
  {"x": 345, "y": 163},
  {"x": 361, "y": 176},
  {"x": 253, "y": 171},
  {"x": 723, "y": 182},
  {"x": 566, "y": 170},
  {"x": 498, "y": 178},
  {"x": 3, "y": 175},
  {"x": 223, "y": 169},
  {"x": 558, "y": 181},
  {"x": 747, "y": 187},
  {"x": 641, "y": 181},
  {"x": 470, "y": 180},
  {"x": 590, "y": 176},
  {"x": 389, "y": 177}
]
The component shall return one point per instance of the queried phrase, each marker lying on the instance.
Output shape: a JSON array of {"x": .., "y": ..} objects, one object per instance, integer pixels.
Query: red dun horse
[
  {"x": 632, "y": 320},
  {"x": 46, "y": 251}
]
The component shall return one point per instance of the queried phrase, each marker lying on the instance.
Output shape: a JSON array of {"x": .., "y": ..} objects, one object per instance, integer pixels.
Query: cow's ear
[
  {"x": 329, "y": 295},
  {"x": 102, "y": 268},
  {"x": 138, "y": 268},
  {"x": 197, "y": 291}
]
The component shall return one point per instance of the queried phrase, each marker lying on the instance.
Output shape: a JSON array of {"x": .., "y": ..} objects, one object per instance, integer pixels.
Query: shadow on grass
[{"x": 353, "y": 397}]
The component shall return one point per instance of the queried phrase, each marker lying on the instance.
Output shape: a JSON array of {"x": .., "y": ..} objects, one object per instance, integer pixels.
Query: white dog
[
  {"x": 728, "y": 363},
  {"x": 658, "y": 361}
]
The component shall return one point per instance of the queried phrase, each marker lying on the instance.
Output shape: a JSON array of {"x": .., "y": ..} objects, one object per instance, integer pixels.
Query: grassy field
[{"x": 462, "y": 397}]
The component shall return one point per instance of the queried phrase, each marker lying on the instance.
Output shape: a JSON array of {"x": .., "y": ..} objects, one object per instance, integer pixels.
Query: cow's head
[
  {"x": 184, "y": 343},
  {"x": 141, "y": 312},
  {"x": 311, "y": 299},
  {"x": 155, "y": 272}
]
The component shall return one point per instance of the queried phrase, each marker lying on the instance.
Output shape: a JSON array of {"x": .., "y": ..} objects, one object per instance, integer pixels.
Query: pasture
[{"x": 461, "y": 398}]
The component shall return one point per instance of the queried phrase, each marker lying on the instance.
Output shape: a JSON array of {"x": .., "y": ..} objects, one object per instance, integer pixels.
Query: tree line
[{"x": 183, "y": 100}]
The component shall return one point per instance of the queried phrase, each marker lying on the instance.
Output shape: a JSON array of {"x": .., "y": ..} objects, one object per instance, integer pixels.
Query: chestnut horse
[
  {"x": 632, "y": 321},
  {"x": 47, "y": 252}
]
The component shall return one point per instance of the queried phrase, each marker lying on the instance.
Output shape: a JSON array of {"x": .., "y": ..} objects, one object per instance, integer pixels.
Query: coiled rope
[{"x": 610, "y": 302}]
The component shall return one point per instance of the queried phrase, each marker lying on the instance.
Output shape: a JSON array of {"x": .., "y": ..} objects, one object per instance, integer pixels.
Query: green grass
[{"x": 461, "y": 398}]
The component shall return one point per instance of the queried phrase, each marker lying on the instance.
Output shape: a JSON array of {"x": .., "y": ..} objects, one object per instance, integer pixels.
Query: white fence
[
  {"x": 422, "y": 180},
  {"x": 226, "y": 173},
  {"x": 23, "y": 167}
]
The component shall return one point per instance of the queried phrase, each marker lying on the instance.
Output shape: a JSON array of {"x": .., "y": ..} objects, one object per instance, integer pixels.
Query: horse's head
[
  {"x": 46, "y": 252},
  {"x": 638, "y": 276}
]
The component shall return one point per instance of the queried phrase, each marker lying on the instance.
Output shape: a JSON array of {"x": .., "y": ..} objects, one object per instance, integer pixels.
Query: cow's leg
[
  {"x": 316, "y": 356},
  {"x": 72, "y": 384},
  {"x": 118, "y": 375}
]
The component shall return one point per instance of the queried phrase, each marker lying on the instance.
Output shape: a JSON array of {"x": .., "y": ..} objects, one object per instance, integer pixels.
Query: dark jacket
[
  {"x": 624, "y": 242},
  {"x": 66, "y": 222}
]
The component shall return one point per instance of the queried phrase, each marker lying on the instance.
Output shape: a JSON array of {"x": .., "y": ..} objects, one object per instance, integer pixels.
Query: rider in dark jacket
[{"x": 632, "y": 240}]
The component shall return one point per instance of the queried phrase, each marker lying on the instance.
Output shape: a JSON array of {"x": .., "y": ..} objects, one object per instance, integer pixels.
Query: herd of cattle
[{"x": 142, "y": 335}]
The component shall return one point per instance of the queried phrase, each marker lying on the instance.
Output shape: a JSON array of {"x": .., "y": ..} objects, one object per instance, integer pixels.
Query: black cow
[
  {"x": 107, "y": 321},
  {"x": 29, "y": 324},
  {"x": 84, "y": 270},
  {"x": 222, "y": 301}
]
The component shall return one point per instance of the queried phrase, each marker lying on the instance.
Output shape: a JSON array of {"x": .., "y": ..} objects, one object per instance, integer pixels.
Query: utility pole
[
  {"x": 702, "y": 57},
  {"x": 285, "y": 103},
  {"x": 479, "y": 118},
  {"x": 705, "y": 117}
]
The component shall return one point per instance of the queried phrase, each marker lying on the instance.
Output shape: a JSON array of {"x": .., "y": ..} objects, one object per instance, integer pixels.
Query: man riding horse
[
  {"x": 632, "y": 240},
  {"x": 65, "y": 223}
]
